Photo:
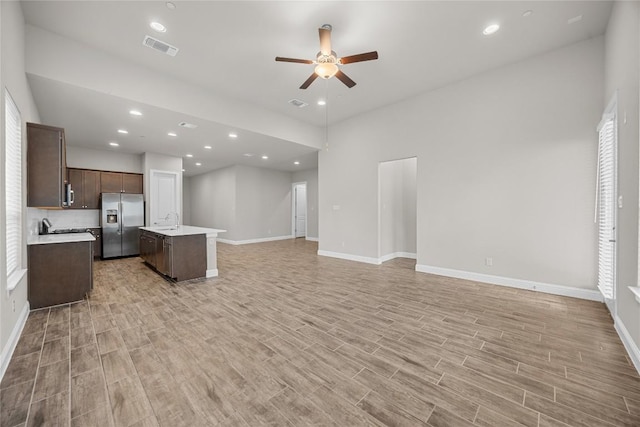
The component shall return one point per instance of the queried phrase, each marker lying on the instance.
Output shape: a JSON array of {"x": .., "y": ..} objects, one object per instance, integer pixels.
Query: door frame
[
  {"x": 293, "y": 209},
  {"x": 152, "y": 199}
]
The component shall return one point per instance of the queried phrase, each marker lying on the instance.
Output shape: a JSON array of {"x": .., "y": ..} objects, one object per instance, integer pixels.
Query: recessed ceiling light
[
  {"x": 233, "y": 135},
  {"x": 123, "y": 131},
  {"x": 189, "y": 155},
  {"x": 208, "y": 147},
  {"x": 198, "y": 164},
  {"x": 135, "y": 113},
  {"x": 172, "y": 134},
  {"x": 265, "y": 157},
  {"x": 114, "y": 144},
  {"x": 322, "y": 102},
  {"x": 491, "y": 29},
  {"x": 158, "y": 27},
  {"x": 527, "y": 13},
  {"x": 170, "y": 5},
  {"x": 296, "y": 162}
]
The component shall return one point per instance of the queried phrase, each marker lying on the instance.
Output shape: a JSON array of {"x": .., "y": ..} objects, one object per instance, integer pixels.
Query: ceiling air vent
[
  {"x": 298, "y": 103},
  {"x": 187, "y": 125},
  {"x": 160, "y": 46}
]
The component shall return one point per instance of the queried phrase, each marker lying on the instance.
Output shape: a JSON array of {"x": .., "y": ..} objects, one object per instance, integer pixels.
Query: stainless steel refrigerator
[{"x": 121, "y": 216}]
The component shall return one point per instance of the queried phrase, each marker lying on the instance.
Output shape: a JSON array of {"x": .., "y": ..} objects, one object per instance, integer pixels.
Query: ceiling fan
[{"x": 327, "y": 61}]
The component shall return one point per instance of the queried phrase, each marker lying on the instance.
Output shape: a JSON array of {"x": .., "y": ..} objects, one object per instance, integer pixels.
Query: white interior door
[
  {"x": 301, "y": 210},
  {"x": 164, "y": 201}
]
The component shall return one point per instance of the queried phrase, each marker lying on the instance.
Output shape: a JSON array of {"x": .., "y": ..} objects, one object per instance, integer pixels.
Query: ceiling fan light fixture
[{"x": 326, "y": 70}]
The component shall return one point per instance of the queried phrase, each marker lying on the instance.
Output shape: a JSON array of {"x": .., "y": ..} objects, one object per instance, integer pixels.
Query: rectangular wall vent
[{"x": 160, "y": 46}]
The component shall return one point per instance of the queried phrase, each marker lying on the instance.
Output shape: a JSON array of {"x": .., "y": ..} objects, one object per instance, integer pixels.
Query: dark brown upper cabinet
[
  {"x": 86, "y": 187},
  {"x": 115, "y": 182},
  {"x": 46, "y": 166}
]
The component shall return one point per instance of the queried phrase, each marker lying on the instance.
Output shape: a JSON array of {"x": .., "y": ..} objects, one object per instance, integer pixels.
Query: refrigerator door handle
[{"x": 120, "y": 206}]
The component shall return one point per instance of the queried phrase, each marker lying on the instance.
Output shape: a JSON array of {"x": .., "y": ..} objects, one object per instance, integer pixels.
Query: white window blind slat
[
  {"x": 13, "y": 185},
  {"x": 607, "y": 157}
]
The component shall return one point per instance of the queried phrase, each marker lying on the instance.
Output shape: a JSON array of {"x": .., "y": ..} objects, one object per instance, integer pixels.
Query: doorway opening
[
  {"x": 299, "y": 209},
  {"x": 397, "y": 209}
]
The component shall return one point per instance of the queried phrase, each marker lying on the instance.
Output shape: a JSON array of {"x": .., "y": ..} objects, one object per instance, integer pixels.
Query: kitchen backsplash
[{"x": 70, "y": 218}]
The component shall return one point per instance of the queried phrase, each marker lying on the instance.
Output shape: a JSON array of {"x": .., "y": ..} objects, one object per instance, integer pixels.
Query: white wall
[
  {"x": 310, "y": 176},
  {"x": 398, "y": 195},
  {"x": 263, "y": 203},
  {"x": 12, "y": 76},
  {"x": 621, "y": 75},
  {"x": 213, "y": 200},
  {"x": 505, "y": 170},
  {"x": 250, "y": 203},
  {"x": 105, "y": 160}
]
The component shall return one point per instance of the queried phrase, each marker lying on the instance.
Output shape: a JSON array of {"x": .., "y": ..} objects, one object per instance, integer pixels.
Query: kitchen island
[{"x": 180, "y": 252}]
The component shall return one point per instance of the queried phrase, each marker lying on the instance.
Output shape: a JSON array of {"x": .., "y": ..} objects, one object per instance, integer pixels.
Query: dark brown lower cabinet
[
  {"x": 97, "y": 244},
  {"x": 59, "y": 273},
  {"x": 178, "y": 257}
]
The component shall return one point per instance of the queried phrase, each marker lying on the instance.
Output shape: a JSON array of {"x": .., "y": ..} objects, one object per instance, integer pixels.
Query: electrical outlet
[{"x": 488, "y": 261}]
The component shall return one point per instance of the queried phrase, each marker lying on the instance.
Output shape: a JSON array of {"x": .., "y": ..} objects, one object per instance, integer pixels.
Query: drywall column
[{"x": 621, "y": 78}]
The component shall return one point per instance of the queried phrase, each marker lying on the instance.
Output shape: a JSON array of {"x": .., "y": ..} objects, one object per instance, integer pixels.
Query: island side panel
[
  {"x": 189, "y": 257},
  {"x": 212, "y": 256}
]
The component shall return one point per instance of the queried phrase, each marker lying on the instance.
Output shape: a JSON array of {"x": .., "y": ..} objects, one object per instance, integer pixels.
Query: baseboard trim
[
  {"x": 349, "y": 257},
  {"x": 249, "y": 241},
  {"x": 212, "y": 273},
  {"x": 312, "y": 239},
  {"x": 627, "y": 341},
  {"x": 567, "y": 291},
  {"x": 395, "y": 255},
  {"x": 10, "y": 347}
]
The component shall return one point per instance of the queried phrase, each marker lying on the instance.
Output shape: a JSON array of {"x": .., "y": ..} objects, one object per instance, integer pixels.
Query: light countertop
[
  {"x": 182, "y": 230},
  {"x": 44, "y": 239}
]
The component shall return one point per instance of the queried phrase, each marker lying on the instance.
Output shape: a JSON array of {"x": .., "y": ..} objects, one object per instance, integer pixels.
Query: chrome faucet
[{"x": 176, "y": 216}]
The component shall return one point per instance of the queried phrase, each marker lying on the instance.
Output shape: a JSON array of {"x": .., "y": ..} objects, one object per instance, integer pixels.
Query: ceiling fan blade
[
  {"x": 359, "y": 58},
  {"x": 345, "y": 79},
  {"x": 298, "y": 61},
  {"x": 310, "y": 80},
  {"x": 325, "y": 39}
]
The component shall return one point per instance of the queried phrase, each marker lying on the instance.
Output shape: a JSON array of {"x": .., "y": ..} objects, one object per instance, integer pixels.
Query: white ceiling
[{"x": 228, "y": 48}]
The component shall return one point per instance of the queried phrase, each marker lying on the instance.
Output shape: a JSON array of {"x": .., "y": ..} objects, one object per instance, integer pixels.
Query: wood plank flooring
[{"x": 286, "y": 338}]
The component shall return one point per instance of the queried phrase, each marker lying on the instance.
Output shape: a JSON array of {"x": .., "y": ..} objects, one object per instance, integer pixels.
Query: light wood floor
[{"x": 285, "y": 337}]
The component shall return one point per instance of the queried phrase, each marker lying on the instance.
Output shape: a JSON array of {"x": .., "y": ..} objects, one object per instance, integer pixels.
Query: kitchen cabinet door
[
  {"x": 132, "y": 183},
  {"x": 110, "y": 182},
  {"x": 46, "y": 166},
  {"x": 76, "y": 181},
  {"x": 86, "y": 188},
  {"x": 91, "y": 189}
]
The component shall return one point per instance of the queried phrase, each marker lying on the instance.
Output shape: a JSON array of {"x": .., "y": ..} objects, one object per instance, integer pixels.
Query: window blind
[
  {"x": 607, "y": 158},
  {"x": 13, "y": 184}
]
